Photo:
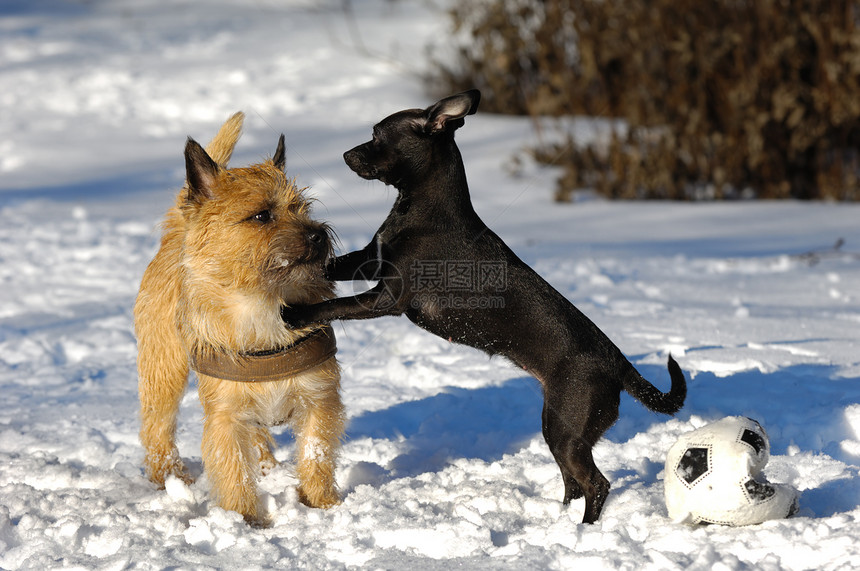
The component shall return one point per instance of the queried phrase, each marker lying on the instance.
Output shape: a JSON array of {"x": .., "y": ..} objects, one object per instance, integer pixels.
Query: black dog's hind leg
[
  {"x": 572, "y": 452},
  {"x": 572, "y": 489}
]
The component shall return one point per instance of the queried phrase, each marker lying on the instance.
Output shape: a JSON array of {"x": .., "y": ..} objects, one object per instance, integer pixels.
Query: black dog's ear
[
  {"x": 448, "y": 113},
  {"x": 200, "y": 171},
  {"x": 280, "y": 158}
]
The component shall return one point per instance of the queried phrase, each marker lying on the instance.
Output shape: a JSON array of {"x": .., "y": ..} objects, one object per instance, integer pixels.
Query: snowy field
[{"x": 444, "y": 465}]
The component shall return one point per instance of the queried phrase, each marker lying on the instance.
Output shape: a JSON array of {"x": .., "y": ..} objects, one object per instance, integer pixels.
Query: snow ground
[{"x": 444, "y": 464}]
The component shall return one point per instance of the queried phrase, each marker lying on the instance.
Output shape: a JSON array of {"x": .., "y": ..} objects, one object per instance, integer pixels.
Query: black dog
[{"x": 438, "y": 263}]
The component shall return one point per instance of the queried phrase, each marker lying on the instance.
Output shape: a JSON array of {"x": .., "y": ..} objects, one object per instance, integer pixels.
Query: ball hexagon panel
[{"x": 694, "y": 464}]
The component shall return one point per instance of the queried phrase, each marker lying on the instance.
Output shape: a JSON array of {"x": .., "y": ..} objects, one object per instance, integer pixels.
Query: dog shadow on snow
[
  {"x": 799, "y": 406},
  {"x": 484, "y": 423}
]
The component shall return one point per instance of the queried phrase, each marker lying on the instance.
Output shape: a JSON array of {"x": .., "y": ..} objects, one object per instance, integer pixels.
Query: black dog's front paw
[
  {"x": 329, "y": 271},
  {"x": 297, "y": 316}
]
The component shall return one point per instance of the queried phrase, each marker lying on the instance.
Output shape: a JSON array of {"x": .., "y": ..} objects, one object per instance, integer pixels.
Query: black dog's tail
[{"x": 651, "y": 396}]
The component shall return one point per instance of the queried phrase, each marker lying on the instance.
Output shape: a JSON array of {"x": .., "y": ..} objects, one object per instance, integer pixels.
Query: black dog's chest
[{"x": 435, "y": 315}]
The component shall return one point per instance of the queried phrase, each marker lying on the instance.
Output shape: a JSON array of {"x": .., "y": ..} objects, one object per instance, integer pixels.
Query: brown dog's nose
[
  {"x": 316, "y": 237},
  {"x": 317, "y": 245}
]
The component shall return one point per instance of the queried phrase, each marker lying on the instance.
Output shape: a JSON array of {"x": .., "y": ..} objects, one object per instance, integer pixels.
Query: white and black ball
[{"x": 713, "y": 476}]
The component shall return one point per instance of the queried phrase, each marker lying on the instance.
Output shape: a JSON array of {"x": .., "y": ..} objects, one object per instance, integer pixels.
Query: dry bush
[{"x": 721, "y": 99}]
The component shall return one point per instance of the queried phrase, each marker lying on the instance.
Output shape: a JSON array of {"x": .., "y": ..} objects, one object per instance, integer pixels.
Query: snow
[{"x": 444, "y": 464}]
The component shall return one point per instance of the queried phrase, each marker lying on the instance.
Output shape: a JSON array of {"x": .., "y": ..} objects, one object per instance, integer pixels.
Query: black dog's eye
[{"x": 262, "y": 217}]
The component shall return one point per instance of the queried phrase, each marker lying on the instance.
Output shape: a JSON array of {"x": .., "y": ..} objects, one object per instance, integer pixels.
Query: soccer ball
[{"x": 711, "y": 476}]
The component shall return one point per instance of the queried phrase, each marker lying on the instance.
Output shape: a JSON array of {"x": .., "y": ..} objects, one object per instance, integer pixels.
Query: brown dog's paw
[
  {"x": 159, "y": 467},
  {"x": 259, "y": 522},
  {"x": 323, "y": 500},
  {"x": 267, "y": 464}
]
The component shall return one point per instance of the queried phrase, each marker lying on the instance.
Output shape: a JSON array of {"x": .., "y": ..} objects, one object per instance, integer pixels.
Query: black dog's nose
[{"x": 349, "y": 158}]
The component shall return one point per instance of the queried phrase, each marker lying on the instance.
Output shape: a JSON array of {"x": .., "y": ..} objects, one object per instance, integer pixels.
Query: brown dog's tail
[
  {"x": 220, "y": 148},
  {"x": 652, "y": 397}
]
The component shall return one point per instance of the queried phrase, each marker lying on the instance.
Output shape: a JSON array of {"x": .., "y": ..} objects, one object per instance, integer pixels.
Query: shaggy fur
[{"x": 238, "y": 244}]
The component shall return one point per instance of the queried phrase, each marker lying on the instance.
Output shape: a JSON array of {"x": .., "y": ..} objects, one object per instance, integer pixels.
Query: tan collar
[{"x": 273, "y": 365}]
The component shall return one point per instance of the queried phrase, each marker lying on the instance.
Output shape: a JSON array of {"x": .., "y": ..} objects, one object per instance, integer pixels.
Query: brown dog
[{"x": 239, "y": 244}]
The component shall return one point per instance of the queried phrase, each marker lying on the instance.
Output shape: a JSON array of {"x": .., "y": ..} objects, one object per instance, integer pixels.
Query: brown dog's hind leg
[{"x": 163, "y": 375}]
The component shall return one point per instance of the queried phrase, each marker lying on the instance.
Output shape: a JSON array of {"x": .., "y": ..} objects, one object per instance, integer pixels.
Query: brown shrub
[{"x": 721, "y": 99}]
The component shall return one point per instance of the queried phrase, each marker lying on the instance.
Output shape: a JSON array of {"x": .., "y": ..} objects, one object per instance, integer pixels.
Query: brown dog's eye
[{"x": 262, "y": 217}]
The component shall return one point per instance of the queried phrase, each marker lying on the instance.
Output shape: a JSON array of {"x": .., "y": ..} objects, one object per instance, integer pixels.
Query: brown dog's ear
[
  {"x": 448, "y": 113},
  {"x": 200, "y": 171},
  {"x": 280, "y": 158}
]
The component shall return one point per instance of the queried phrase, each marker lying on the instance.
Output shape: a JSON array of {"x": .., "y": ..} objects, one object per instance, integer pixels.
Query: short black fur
[{"x": 433, "y": 225}]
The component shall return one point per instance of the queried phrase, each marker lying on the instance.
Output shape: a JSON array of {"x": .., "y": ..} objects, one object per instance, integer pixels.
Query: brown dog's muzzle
[{"x": 318, "y": 243}]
